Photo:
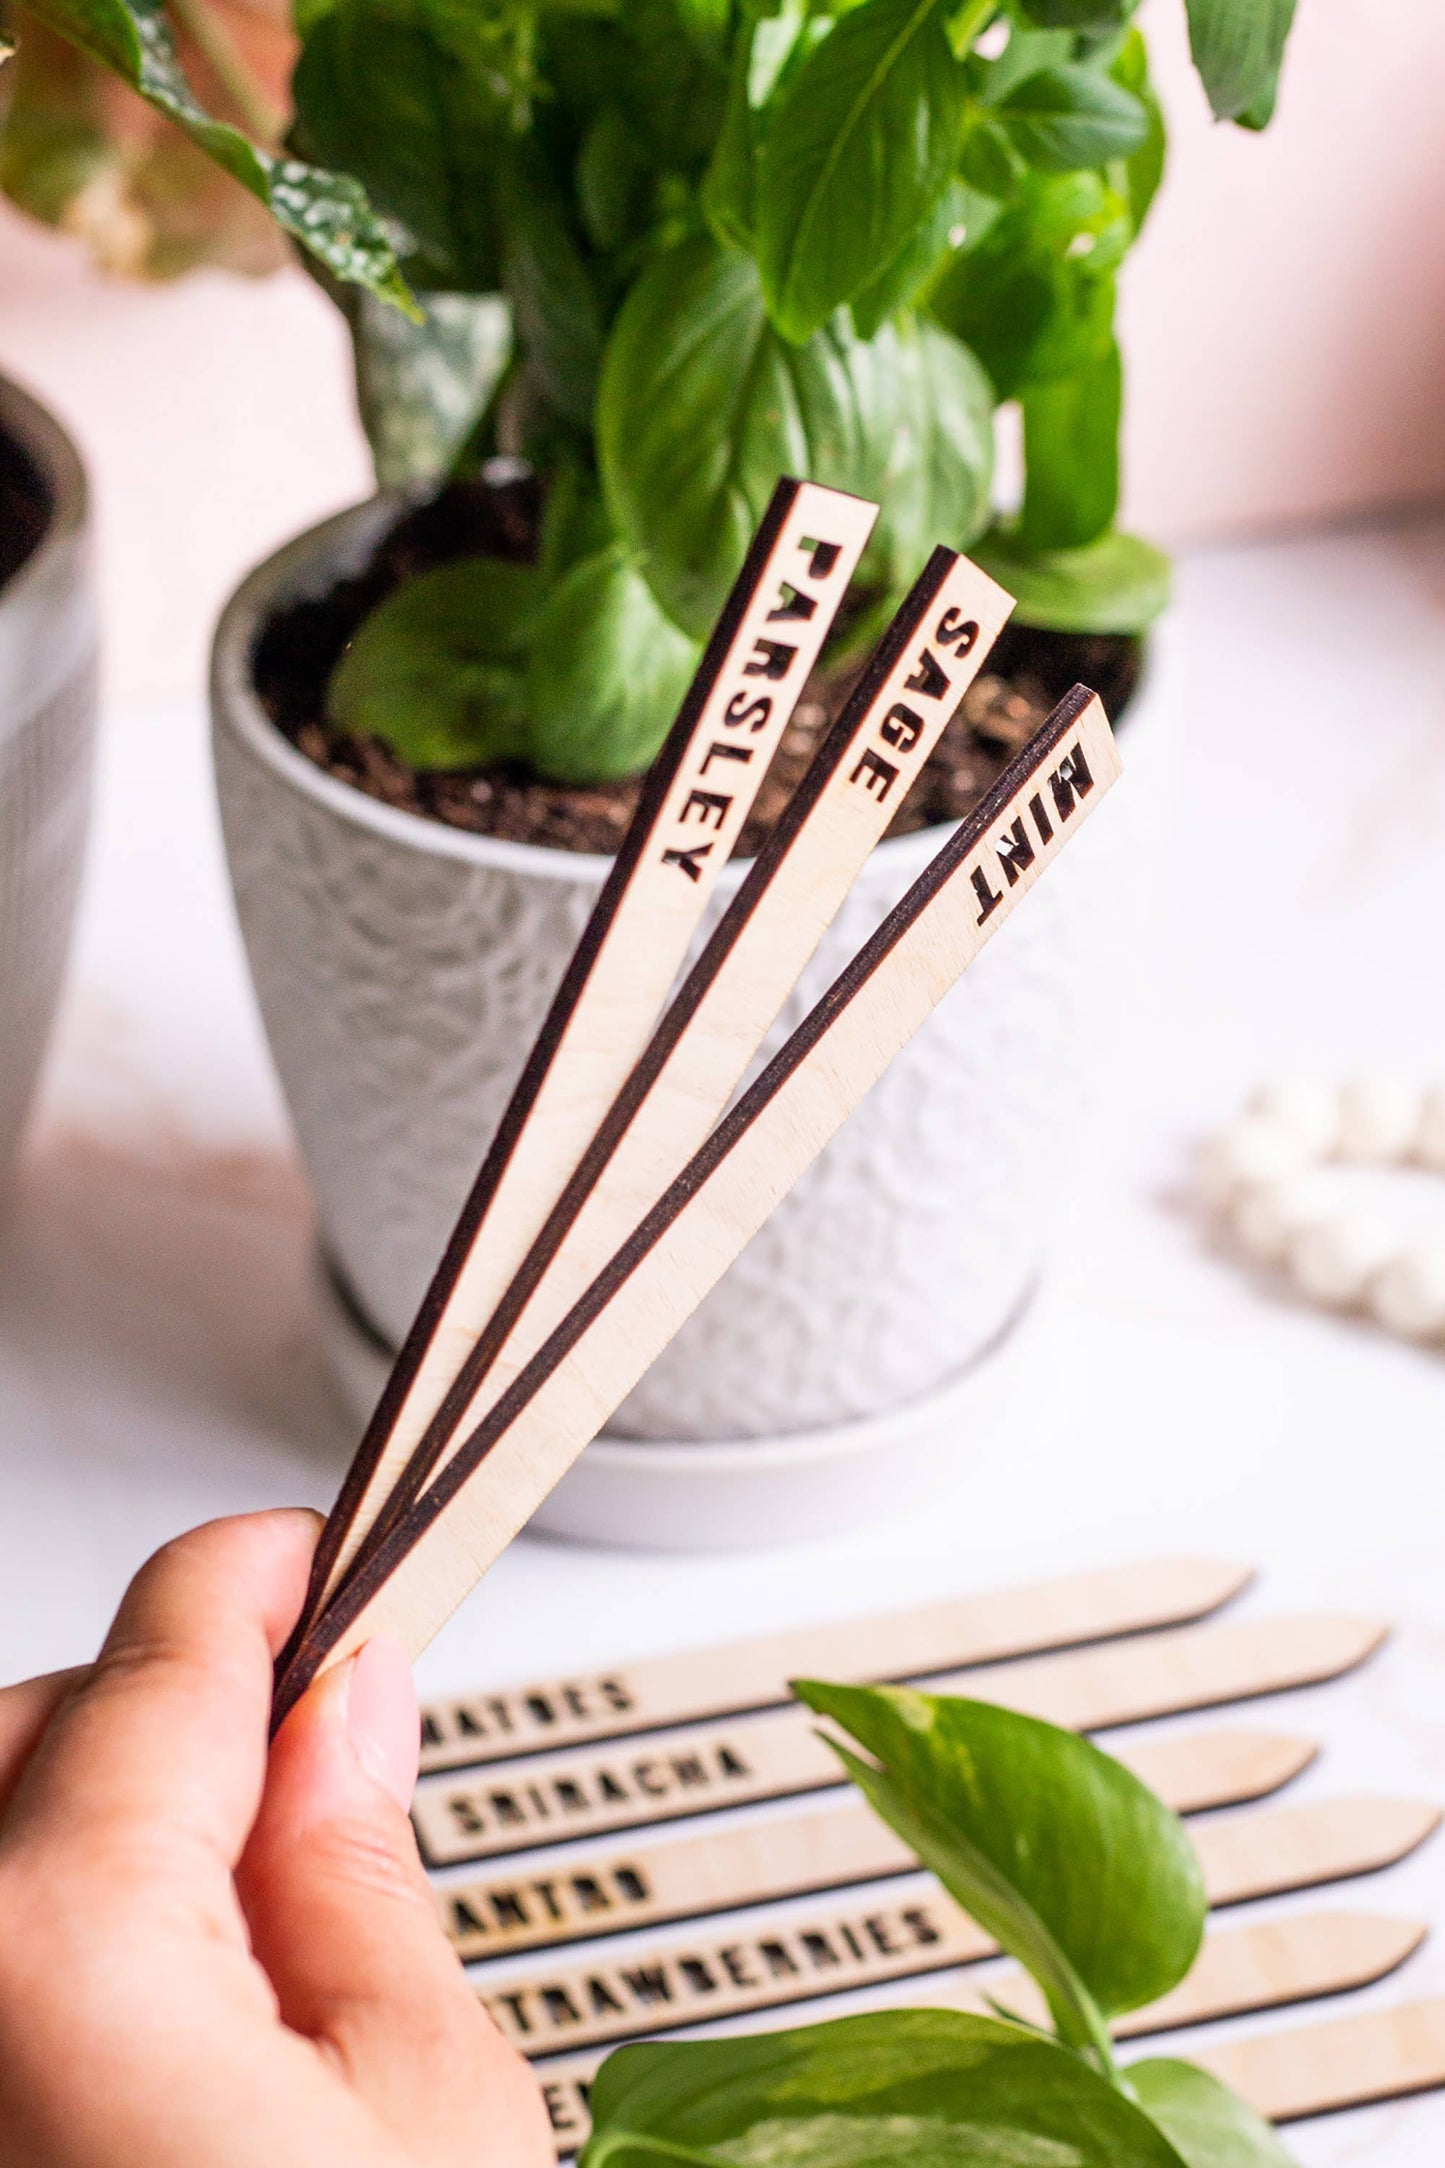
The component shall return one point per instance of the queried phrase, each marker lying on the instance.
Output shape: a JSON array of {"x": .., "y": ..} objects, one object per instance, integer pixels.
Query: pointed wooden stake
[
  {"x": 475, "y": 1505},
  {"x": 597, "y": 1791},
  {"x": 498, "y": 1723},
  {"x": 697, "y": 798}
]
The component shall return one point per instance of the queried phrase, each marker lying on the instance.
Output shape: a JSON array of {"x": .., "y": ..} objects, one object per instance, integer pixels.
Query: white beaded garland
[
  {"x": 1380, "y": 1119},
  {"x": 1407, "y": 1295},
  {"x": 1260, "y": 1174}
]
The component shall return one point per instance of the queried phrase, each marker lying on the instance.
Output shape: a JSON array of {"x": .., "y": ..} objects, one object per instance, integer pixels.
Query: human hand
[{"x": 212, "y": 1959}]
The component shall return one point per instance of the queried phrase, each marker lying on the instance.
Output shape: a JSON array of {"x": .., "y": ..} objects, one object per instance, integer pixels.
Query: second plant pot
[{"x": 402, "y": 969}]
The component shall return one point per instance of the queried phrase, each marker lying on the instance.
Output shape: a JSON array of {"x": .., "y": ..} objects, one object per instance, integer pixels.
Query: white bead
[
  {"x": 1249, "y": 1150},
  {"x": 1309, "y": 1108},
  {"x": 1333, "y": 1260},
  {"x": 1266, "y": 1216},
  {"x": 1430, "y": 1136},
  {"x": 1408, "y": 1294},
  {"x": 1380, "y": 1118}
]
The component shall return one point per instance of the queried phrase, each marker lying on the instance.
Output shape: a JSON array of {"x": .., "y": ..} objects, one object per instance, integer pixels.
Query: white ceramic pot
[
  {"x": 402, "y": 969},
  {"x": 47, "y": 720}
]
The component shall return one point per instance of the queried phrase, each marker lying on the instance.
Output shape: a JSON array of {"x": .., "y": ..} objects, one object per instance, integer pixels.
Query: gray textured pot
[
  {"x": 402, "y": 969},
  {"x": 47, "y": 720}
]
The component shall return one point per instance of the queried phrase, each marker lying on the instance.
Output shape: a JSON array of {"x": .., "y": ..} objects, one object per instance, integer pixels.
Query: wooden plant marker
[
  {"x": 586, "y": 1896},
  {"x": 778, "y": 1755},
  {"x": 761, "y": 1960},
  {"x": 925, "y": 662},
  {"x": 761, "y": 1966},
  {"x": 1316, "y": 2069},
  {"x": 436, "y": 1553},
  {"x": 1239, "y": 1970},
  {"x": 753, "y": 670},
  {"x": 502, "y": 1723}
]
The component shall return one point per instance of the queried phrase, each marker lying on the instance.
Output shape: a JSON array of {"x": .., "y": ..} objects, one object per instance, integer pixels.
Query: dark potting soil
[
  {"x": 1028, "y": 671},
  {"x": 24, "y": 507}
]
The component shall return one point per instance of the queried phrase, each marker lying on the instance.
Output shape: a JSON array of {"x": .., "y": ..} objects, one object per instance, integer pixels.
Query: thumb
[{"x": 344, "y": 1925}]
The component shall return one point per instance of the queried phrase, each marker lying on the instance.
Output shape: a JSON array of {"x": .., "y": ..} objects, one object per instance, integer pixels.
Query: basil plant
[
  {"x": 1080, "y": 1874},
  {"x": 662, "y": 251}
]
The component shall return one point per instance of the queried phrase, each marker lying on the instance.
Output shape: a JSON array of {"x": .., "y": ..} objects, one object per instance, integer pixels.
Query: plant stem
[{"x": 213, "y": 41}]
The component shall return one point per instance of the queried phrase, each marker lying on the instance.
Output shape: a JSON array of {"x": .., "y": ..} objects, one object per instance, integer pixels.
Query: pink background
[{"x": 1284, "y": 318}]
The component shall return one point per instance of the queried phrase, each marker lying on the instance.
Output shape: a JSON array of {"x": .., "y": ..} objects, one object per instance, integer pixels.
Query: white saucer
[{"x": 737, "y": 1494}]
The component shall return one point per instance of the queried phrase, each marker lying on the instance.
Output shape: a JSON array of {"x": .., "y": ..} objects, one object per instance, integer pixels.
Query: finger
[
  {"x": 25, "y": 1710},
  {"x": 160, "y": 1754},
  {"x": 344, "y": 1926}
]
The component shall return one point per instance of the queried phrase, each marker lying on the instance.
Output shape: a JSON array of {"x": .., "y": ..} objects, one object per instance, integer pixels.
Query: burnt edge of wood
[
  {"x": 524, "y": 1095},
  {"x": 362, "y": 1585},
  {"x": 901, "y": 630}
]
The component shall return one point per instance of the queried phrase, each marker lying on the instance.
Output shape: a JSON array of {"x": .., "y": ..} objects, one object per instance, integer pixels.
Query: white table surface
[{"x": 156, "y": 1359}]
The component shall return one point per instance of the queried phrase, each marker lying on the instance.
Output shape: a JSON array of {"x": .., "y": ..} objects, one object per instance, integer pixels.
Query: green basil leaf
[
  {"x": 708, "y": 22},
  {"x": 859, "y": 145},
  {"x": 421, "y": 388},
  {"x": 642, "y": 59},
  {"x": 1071, "y": 456},
  {"x": 912, "y": 2088},
  {"x": 1026, "y": 52},
  {"x": 1064, "y": 119},
  {"x": 1238, "y": 48},
  {"x": 614, "y": 177},
  {"x": 730, "y": 183},
  {"x": 1065, "y": 1834},
  {"x": 1115, "y": 584},
  {"x": 703, "y": 405},
  {"x": 988, "y": 160},
  {"x": 556, "y": 312},
  {"x": 1035, "y": 298},
  {"x": 327, "y": 213},
  {"x": 1144, "y": 168},
  {"x": 917, "y": 261},
  {"x": 936, "y": 485},
  {"x": 436, "y": 670},
  {"x": 1077, "y": 14},
  {"x": 400, "y": 94},
  {"x": 1207, "y": 2125},
  {"x": 606, "y": 673}
]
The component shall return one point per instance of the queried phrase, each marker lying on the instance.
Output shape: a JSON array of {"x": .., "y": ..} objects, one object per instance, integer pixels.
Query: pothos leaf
[
  {"x": 327, "y": 213},
  {"x": 859, "y": 145},
  {"x": 1065, "y": 1833},
  {"x": 912, "y": 2088},
  {"x": 1207, "y": 2125}
]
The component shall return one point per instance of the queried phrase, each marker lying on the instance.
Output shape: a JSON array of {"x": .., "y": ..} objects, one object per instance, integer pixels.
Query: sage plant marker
[
  {"x": 442, "y": 1545},
  {"x": 692, "y": 810}
]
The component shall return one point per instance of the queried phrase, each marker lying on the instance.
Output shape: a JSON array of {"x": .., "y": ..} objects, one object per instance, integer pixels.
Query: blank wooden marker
[
  {"x": 586, "y": 1895},
  {"x": 500, "y": 1723},
  {"x": 1317, "y": 2069},
  {"x": 475, "y": 1505},
  {"x": 690, "y": 815},
  {"x": 711, "y": 1031},
  {"x": 594, "y": 1791},
  {"x": 1238, "y": 1970}
]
